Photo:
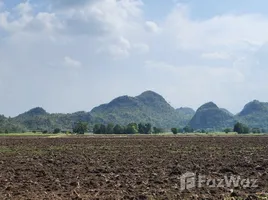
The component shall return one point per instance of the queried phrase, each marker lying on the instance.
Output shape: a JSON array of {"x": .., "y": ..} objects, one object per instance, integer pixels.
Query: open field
[{"x": 129, "y": 167}]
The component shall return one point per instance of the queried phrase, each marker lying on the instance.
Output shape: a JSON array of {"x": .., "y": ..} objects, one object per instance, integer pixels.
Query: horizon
[
  {"x": 88, "y": 111},
  {"x": 68, "y": 56}
]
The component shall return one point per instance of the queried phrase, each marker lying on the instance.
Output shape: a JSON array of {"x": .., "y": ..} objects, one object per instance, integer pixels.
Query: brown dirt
[{"x": 129, "y": 167}]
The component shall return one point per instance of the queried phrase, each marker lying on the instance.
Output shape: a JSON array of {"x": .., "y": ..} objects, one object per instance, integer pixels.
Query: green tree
[
  {"x": 56, "y": 131},
  {"x": 148, "y": 128},
  {"x": 118, "y": 129},
  {"x": 110, "y": 129},
  {"x": 188, "y": 129},
  {"x": 103, "y": 129},
  {"x": 241, "y": 128},
  {"x": 256, "y": 130},
  {"x": 174, "y": 130},
  {"x": 157, "y": 130},
  {"x": 132, "y": 128},
  {"x": 227, "y": 130},
  {"x": 80, "y": 127},
  {"x": 246, "y": 129},
  {"x": 180, "y": 130},
  {"x": 144, "y": 128},
  {"x": 141, "y": 128},
  {"x": 96, "y": 129}
]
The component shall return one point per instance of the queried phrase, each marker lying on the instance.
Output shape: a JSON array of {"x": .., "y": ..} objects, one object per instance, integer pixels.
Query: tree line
[
  {"x": 131, "y": 128},
  {"x": 143, "y": 128},
  {"x": 239, "y": 128}
]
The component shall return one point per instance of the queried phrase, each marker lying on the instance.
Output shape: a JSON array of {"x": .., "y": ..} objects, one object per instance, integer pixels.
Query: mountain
[
  {"x": 210, "y": 117},
  {"x": 6, "y": 124},
  {"x": 147, "y": 107},
  {"x": 186, "y": 111},
  {"x": 227, "y": 111},
  {"x": 255, "y": 114},
  {"x": 186, "y": 114},
  {"x": 38, "y": 111},
  {"x": 39, "y": 119},
  {"x": 34, "y": 119}
]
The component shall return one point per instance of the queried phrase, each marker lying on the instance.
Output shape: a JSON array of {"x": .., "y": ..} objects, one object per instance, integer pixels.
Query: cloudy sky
[{"x": 70, "y": 55}]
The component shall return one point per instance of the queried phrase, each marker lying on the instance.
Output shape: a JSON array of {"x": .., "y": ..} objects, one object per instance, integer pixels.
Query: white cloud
[
  {"x": 188, "y": 61},
  {"x": 23, "y": 8},
  {"x": 226, "y": 31},
  {"x": 152, "y": 27},
  {"x": 216, "y": 55},
  {"x": 70, "y": 62}
]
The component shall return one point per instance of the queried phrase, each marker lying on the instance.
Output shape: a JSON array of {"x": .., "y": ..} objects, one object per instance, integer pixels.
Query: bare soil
[{"x": 133, "y": 167}]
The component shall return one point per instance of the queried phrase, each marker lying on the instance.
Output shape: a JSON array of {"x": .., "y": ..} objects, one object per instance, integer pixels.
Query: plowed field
[{"x": 134, "y": 167}]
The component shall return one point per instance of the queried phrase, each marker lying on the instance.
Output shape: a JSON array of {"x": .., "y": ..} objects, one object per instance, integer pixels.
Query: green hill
[
  {"x": 255, "y": 114},
  {"x": 7, "y": 124},
  {"x": 147, "y": 107},
  {"x": 38, "y": 119},
  {"x": 210, "y": 117}
]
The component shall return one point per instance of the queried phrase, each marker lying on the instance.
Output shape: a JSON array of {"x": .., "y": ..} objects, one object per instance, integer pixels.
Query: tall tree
[
  {"x": 80, "y": 127},
  {"x": 132, "y": 128},
  {"x": 241, "y": 128},
  {"x": 147, "y": 128},
  {"x": 118, "y": 129},
  {"x": 103, "y": 129},
  {"x": 110, "y": 129},
  {"x": 96, "y": 129}
]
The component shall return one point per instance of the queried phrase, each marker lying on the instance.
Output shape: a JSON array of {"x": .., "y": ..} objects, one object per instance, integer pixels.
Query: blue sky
[
  {"x": 67, "y": 55},
  {"x": 210, "y": 8}
]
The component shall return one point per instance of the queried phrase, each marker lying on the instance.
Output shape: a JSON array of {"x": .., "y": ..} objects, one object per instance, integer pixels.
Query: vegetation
[
  {"x": 131, "y": 128},
  {"x": 255, "y": 115},
  {"x": 188, "y": 129},
  {"x": 145, "y": 128},
  {"x": 227, "y": 130},
  {"x": 56, "y": 131},
  {"x": 241, "y": 128},
  {"x": 174, "y": 131},
  {"x": 80, "y": 128},
  {"x": 158, "y": 130},
  {"x": 148, "y": 107},
  {"x": 211, "y": 118}
]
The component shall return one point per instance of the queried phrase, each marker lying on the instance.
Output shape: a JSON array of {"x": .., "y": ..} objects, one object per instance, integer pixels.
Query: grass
[
  {"x": 30, "y": 134},
  {"x": 50, "y": 135}
]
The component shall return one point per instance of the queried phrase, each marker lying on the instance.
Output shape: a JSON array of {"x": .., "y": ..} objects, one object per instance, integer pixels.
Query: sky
[{"x": 67, "y": 56}]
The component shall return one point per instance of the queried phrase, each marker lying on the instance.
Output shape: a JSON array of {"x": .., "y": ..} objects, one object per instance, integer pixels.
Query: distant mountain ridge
[
  {"x": 255, "y": 114},
  {"x": 148, "y": 107},
  {"x": 210, "y": 117}
]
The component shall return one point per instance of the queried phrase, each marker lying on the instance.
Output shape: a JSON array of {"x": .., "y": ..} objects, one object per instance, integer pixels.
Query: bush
[
  {"x": 174, "y": 130},
  {"x": 227, "y": 130},
  {"x": 241, "y": 128},
  {"x": 157, "y": 130},
  {"x": 188, "y": 129},
  {"x": 256, "y": 130},
  {"x": 56, "y": 131},
  {"x": 80, "y": 127}
]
